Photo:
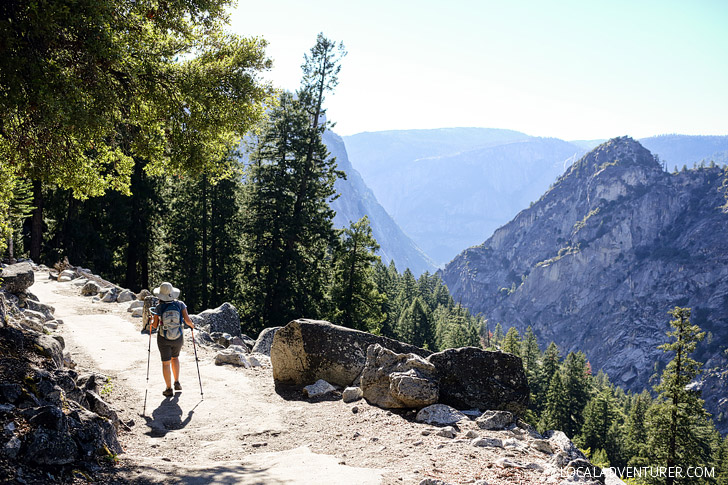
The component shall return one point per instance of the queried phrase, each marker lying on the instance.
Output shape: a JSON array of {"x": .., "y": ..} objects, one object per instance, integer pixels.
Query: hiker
[{"x": 170, "y": 313}]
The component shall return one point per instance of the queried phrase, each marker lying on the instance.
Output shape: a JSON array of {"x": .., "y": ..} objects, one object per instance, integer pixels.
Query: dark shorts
[{"x": 169, "y": 348}]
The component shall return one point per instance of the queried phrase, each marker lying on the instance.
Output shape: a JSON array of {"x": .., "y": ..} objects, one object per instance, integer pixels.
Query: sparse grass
[{"x": 107, "y": 388}]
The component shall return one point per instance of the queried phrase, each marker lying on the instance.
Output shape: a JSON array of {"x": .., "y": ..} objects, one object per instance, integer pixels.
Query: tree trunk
[
  {"x": 214, "y": 236},
  {"x": 204, "y": 243},
  {"x": 36, "y": 229},
  {"x": 135, "y": 230}
]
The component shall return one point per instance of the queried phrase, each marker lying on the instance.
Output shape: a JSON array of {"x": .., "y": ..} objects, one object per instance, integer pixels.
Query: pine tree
[
  {"x": 722, "y": 463},
  {"x": 512, "y": 342},
  {"x": 679, "y": 429},
  {"x": 354, "y": 296},
  {"x": 498, "y": 334},
  {"x": 287, "y": 232},
  {"x": 386, "y": 279},
  {"x": 551, "y": 361},
  {"x": 636, "y": 428},
  {"x": 413, "y": 326},
  {"x": 577, "y": 387},
  {"x": 555, "y": 414},
  {"x": 529, "y": 351},
  {"x": 599, "y": 431}
]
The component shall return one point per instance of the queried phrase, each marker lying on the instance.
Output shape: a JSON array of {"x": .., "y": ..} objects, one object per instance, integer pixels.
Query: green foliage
[
  {"x": 556, "y": 413},
  {"x": 355, "y": 299},
  {"x": 288, "y": 228},
  {"x": 498, "y": 334},
  {"x": 601, "y": 430},
  {"x": 15, "y": 205},
  {"x": 89, "y": 84},
  {"x": 107, "y": 388},
  {"x": 679, "y": 431},
  {"x": 512, "y": 342},
  {"x": 91, "y": 87},
  {"x": 577, "y": 386}
]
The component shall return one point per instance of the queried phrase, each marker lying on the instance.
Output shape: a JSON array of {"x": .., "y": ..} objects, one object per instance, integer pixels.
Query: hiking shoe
[
  {"x": 177, "y": 386},
  {"x": 168, "y": 392}
]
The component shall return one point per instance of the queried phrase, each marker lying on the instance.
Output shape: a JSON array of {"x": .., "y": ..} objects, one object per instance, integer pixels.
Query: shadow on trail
[
  {"x": 168, "y": 417},
  {"x": 294, "y": 393}
]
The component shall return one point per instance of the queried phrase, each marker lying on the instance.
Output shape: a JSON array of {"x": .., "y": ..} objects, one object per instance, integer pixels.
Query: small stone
[
  {"x": 259, "y": 444},
  {"x": 51, "y": 325},
  {"x": 318, "y": 389},
  {"x": 495, "y": 420},
  {"x": 487, "y": 443},
  {"x": 439, "y": 414},
  {"x": 508, "y": 463},
  {"x": 351, "y": 394},
  {"x": 541, "y": 445},
  {"x": 125, "y": 296},
  {"x": 355, "y": 409},
  {"x": 447, "y": 432},
  {"x": 471, "y": 434},
  {"x": 427, "y": 432},
  {"x": 12, "y": 447},
  {"x": 134, "y": 305},
  {"x": 418, "y": 443},
  {"x": 137, "y": 312}
]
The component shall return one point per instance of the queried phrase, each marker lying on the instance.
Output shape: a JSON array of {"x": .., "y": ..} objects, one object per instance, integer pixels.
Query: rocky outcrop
[
  {"x": 265, "y": 341},
  {"x": 357, "y": 200},
  {"x": 16, "y": 278},
  {"x": 222, "y": 319},
  {"x": 597, "y": 262},
  {"x": 305, "y": 351},
  {"x": 47, "y": 413},
  {"x": 391, "y": 380},
  {"x": 475, "y": 378}
]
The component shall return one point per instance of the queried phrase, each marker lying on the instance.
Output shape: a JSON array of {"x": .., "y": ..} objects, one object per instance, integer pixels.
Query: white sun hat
[{"x": 166, "y": 292}]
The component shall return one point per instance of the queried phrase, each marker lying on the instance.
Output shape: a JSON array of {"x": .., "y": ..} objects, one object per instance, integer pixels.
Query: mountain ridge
[
  {"x": 598, "y": 260},
  {"x": 436, "y": 189},
  {"x": 357, "y": 200}
]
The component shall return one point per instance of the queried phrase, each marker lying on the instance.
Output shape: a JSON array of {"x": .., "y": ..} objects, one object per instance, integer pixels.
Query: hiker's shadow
[{"x": 167, "y": 417}]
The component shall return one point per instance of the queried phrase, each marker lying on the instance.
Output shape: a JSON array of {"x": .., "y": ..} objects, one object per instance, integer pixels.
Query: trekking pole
[
  {"x": 149, "y": 357},
  {"x": 197, "y": 361}
]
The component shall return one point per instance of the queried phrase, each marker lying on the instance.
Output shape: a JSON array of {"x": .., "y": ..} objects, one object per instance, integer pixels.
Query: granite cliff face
[
  {"x": 449, "y": 188},
  {"x": 598, "y": 261},
  {"x": 356, "y": 200}
]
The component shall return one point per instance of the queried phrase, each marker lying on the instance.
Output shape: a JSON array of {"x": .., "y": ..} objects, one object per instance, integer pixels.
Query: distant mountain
[
  {"x": 357, "y": 200},
  {"x": 450, "y": 188},
  {"x": 598, "y": 261},
  {"x": 679, "y": 150}
]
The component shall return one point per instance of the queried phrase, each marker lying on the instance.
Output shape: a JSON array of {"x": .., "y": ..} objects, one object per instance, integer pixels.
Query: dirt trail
[
  {"x": 225, "y": 438},
  {"x": 244, "y": 431}
]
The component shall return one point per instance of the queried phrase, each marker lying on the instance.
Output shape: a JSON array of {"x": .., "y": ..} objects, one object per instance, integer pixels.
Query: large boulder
[
  {"x": 223, "y": 319},
  {"x": 475, "y": 378},
  {"x": 16, "y": 278},
  {"x": 265, "y": 340},
  {"x": 391, "y": 380},
  {"x": 305, "y": 351}
]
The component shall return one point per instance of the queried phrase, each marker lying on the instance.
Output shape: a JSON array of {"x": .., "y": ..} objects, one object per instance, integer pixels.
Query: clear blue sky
[{"x": 567, "y": 69}]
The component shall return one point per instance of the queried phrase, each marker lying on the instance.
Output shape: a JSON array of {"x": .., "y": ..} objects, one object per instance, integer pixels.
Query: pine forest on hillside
[{"x": 149, "y": 182}]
